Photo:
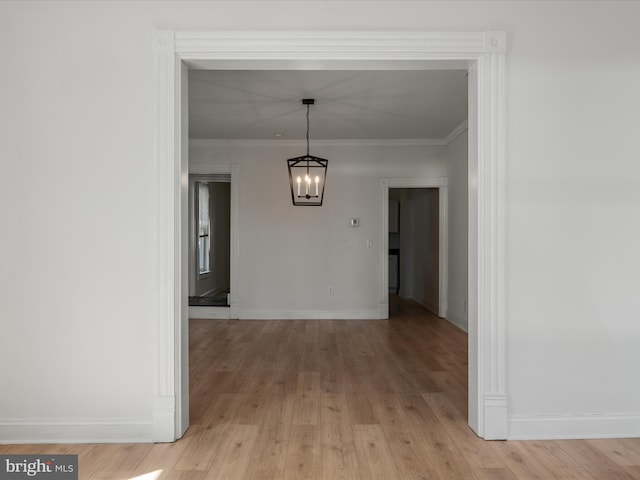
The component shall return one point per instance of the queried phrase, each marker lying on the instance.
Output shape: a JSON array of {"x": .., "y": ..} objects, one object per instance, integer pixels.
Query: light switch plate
[{"x": 354, "y": 222}]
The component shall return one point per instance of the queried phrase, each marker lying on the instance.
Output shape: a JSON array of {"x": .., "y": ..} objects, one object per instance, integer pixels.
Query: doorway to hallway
[
  {"x": 414, "y": 245},
  {"x": 209, "y": 240}
]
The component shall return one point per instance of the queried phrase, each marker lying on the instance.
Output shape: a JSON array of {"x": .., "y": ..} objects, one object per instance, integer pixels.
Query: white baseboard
[
  {"x": 85, "y": 431},
  {"x": 309, "y": 315},
  {"x": 458, "y": 321},
  {"x": 563, "y": 427},
  {"x": 383, "y": 310},
  {"x": 210, "y": 312}
]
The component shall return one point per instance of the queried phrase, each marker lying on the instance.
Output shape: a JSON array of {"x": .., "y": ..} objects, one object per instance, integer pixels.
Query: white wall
[
  {"x": 290, "y": 256},
  {"x": 456, "y": 152},
  {"x": 76, "y": 126},
  {"x": 76, "y": 210}
]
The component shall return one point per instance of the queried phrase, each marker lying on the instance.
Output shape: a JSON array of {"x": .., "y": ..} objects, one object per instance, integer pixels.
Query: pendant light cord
[{"x": 307, "y": 129}]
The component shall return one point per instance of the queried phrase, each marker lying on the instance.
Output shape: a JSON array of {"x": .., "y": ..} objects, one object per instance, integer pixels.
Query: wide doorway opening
[
  {"x": 482, "y": 53},
  {"x": 252, "y": 117}
]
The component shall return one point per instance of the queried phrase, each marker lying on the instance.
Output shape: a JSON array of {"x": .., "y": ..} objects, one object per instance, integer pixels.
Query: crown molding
[
  {"x": 266, "y": 142},
  {"x": 346, "y": 142},
  {"x": 456, "y": 132}
]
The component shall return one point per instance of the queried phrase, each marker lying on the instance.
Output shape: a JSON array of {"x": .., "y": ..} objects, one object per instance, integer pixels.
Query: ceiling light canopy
[{"x": 307, "y": 174}]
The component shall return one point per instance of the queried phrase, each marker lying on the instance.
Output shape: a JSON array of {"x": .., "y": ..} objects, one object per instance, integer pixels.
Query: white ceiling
[{"x": 392, "y": 104}]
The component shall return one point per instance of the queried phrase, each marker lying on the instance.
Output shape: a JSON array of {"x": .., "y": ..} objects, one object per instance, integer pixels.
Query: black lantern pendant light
[{"x": 307, "y": 174}]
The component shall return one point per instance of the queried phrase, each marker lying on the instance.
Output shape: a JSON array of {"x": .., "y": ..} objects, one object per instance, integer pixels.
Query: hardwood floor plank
[
  {"x": 631, "y": 444},
  {"x": 310, "y": 361},
  {"x": 521, "y": 461},
  {"x": 254, "y": 405},
  {"x": 558, "y": 462},
  {"x": 123, "y": 460},
  {"x": 454, "y": 389},
  {"x": 617, "y": 451},
  {"x": 312, "y": 332},
  {"x": 634, "y": 471},
  {"x": 592, "y": 460},
  {"x": 405, "y": 441},
  {"x": 223, "y": 409},
  {"x": 233, "y": 359},
  {"x": 360, "y": 409},
  {"x": 443, "y": 452},
  {"x": 91, "y": 459},
  {"x": 308, "y": 383},
  {"x": 306, "y": 409},
  {"x": 375, "y": 459},
  {"x": 204, "y": 443},
  {"x": 339, "y": 461},
  {"x": 162, "y": 458},
  {"x": 205, "y": 439},
  {"x": 303, "y": 453},
  {"x": 233, "y": 453},
  {"x": 476, "y": 451},
  {"x": 495, "y": 474},
  {"x": 111, "y": 475},
  {"x": 269, "y": 452},
  {"x": 184, "y": 475}
]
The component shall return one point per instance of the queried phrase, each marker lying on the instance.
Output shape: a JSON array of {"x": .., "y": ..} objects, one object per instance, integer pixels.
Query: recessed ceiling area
[{"x": 359, "y": 104}]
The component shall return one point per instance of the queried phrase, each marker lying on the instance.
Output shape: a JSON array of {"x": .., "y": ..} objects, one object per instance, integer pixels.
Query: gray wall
[{"x": 458, "y": 231}]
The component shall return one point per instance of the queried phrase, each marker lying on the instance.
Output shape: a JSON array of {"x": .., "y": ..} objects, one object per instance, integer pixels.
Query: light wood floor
[{"x": 339, "y": 400}]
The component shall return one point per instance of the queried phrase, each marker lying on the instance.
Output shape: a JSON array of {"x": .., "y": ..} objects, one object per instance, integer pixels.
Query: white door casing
[{"x": 483, "y": 53}]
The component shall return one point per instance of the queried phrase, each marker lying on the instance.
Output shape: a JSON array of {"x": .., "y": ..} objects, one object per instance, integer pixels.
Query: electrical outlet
[{"x": 330, "y": 291}]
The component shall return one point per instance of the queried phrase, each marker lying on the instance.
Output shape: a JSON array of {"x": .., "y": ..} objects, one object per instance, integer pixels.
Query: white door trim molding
[
  {"x": 234, "y": 237},
  {"x": 484, "y": 52},
  {"x": 442, "y": 184}
]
